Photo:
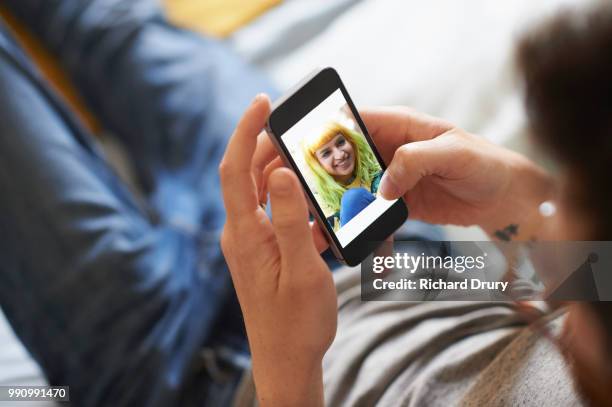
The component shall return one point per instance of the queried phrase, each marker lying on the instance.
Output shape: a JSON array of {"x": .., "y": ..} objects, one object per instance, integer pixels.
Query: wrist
[
  {"x": 518, "y": 216},
  {"x": 294, "y": 381}
]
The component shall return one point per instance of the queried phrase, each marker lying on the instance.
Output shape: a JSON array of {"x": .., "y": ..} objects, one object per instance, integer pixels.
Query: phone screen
[{"x": 339, "y": 166}]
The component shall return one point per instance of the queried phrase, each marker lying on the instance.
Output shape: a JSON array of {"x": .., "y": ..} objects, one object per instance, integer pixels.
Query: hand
[
  {"x": 448, "y": 176},
  {"x": 285, "y": 289}
]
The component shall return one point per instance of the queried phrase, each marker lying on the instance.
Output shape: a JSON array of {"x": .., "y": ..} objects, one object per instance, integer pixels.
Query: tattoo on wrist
[{"x": 506, "y": 234}]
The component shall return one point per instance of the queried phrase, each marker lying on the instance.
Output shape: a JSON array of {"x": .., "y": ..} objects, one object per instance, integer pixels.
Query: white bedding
[{"x": 446, "y": 57}]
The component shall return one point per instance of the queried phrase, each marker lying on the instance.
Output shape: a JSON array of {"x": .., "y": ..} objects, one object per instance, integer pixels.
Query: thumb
[
  {"x": 290, "y": 216},
  {"x": 411, "y": 162}
]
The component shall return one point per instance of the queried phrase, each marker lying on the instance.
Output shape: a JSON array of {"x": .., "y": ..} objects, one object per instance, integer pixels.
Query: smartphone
[{"x": 319, "y": 134}]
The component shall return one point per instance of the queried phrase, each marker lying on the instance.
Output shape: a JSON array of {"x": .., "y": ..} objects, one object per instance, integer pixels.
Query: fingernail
[
  {"x": 259, "y": 97},
  {"x": 388, "y": 188}
]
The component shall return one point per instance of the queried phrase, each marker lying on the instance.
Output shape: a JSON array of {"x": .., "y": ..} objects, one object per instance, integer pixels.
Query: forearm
[
  {"x": 518, "y": 216},
  {"x": 291, "y": 382}
]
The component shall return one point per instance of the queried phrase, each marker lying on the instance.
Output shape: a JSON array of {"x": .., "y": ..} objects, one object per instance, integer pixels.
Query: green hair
[{"x": 366, "y": 164}]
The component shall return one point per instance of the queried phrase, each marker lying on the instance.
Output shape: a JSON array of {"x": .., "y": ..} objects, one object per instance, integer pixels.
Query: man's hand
[
  {"x": 448, "y": 176},
  {"x": 285, "y": 289}
]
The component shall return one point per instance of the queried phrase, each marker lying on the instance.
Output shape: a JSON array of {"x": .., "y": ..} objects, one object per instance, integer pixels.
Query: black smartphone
[{"x": 319, "y": 134}]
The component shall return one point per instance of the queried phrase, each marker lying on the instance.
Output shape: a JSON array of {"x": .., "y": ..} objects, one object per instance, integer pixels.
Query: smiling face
[{"x": 337, "y": 157}]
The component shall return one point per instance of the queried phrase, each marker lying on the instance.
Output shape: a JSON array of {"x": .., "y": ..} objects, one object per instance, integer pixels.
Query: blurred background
[{"x": 449, "y": 58}]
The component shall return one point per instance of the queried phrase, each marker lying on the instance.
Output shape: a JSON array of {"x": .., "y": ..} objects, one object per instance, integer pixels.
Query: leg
[
  {"x": 354, "y": 201},
  {"x": 172, "y": 96},
  {"x": 107, "y": 302}
]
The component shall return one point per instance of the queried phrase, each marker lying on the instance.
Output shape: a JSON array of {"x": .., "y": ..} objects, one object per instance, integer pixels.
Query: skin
[
  {"x": 446, "y": 176},
  {"x": 337, "y": 157},
  {"x": 277, "y": 271}
]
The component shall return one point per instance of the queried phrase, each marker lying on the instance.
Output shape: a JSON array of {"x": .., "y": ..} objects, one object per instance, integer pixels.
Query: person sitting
[
  {"x": 314, "y": 341},
  {"x": 345, "y": 171}
]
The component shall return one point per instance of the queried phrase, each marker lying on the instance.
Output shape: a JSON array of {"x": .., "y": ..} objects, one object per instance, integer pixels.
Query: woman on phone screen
[{"x": 345, "y": 171}]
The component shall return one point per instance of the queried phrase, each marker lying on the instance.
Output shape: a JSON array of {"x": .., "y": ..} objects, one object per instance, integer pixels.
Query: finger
[
  {"x": 318, "y": 236},
  {"x": 263, "y": 188},
  {"x": 239, "y": 189},
  {"x": 413, "y": 161},
  {"x": 402, "y": 124},
  {"x": 290, "y": 216},
  {"x": 265, "y": 152}
]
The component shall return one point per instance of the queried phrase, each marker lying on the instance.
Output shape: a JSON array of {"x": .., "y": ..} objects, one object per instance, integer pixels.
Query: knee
[
  {"x": 354, "y": 201},
  {"x": 357, "y": 196}
]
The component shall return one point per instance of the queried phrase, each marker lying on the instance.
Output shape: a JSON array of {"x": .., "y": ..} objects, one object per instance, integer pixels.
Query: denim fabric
[
  {"x": 116, "y": 296},
  {"x": 354, "y": 201}
]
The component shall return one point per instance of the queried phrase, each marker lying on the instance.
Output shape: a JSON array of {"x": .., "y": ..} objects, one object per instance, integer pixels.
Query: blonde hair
[{"x": 366, "y": 165}]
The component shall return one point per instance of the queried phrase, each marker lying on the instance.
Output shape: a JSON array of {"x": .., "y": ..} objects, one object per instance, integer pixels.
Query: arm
[
  {"x": 285, "y": 289},
  {"x": 296, "y": 383},
  {"x": 517, "y": 215},
  {"x": 449, "y": 176}
]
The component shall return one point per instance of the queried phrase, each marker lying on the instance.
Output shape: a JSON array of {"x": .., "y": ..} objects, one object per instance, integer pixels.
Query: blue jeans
[
  {"x": 353, "y": 201},
  {"x": 124, "y": 298}
]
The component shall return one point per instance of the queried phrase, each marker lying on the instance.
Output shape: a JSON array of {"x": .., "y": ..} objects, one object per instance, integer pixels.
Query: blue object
[
  {"x": 117, "y": 295},
  {"x": 354, "y": 201}
]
